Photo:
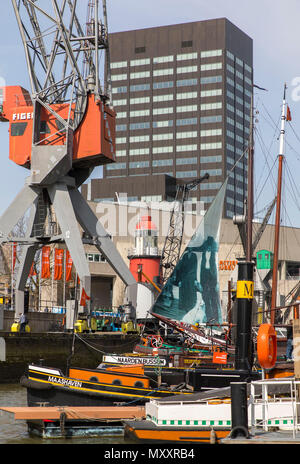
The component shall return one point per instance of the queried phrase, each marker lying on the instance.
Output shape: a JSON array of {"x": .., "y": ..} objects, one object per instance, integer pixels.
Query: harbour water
[{"x": 15, "y": 431}]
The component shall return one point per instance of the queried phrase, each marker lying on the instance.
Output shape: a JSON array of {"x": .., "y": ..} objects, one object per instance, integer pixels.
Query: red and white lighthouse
[{"x": 144, "y": 257}]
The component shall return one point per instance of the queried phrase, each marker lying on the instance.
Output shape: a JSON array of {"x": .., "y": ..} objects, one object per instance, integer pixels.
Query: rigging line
[
  {"x": 269, "y": 113},
  {"x": 259, "y": 181},
  {"x": 293, "y": 186},
  {"x": 296, "y": 135},
  {"x": 269, "y": 175}
]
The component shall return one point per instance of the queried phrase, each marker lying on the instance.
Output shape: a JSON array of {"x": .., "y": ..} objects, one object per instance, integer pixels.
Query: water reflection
[{"x": 15, "y": 431}]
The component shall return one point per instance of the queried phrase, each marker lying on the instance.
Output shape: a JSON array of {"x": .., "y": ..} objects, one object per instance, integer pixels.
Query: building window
[
  {"x": 167, "y": 149},
  {"x": 140, "y": 125},
  {"x": 162, "y": 162},
  {"x": 209, "y": 53},
  {"x": 121, "y": 153},
  {"x": 137, "y": 101},
  {"x": 163, "y": 59},
  {"x": 182, "y": 161},
  {"x": 96, "y": 257},
  {"x": 122, "y": 89},
  {"x": 118, "y": 64},
  {"x": 139, "y": 164},
  {"x": 119, "y": 77},
  {"x": 139, "y": 113},
  {"x": 139, "y": 151},
  {"x": 159, "y": 98},
  {"x": 163, "y": 72},
  {"x": 186, "y": 135},
  {"x": 139, "y": 138},
  {"x": 211, "y": 146},
  {"x": 139, "y": 87},
  {"x": 121, "y": 114},
  {"x": 186, "y": 95},
  {"x": 182, "y": 174},
  {"x": 186, "y": 147},
  {"x": 187, "y": 56},
  {"x": 186, "y": 122},
  {"x": 210, "y": 119},
  {"x": 157, "y": 124},
  {"x": 140, "y": 62},
  {"x": 211, "y": 66},
  {"x": 151, "y": 198},
  {"x": 163, "y": 85},
  {"x": 121, "y": 127},
  {"x": 230, "y": 68},
  {"x": 162, "y": 110},
  {"x": 210, "y": 132},
  {"x": 210, "y": 159},
  {"x": 211, "y": 106},
  {"x": 207, "y": 199},
  {"x": 186, "y": 82},
  {"x": 121, "y": 139},
  {"x": 186, "y": 69},
  {"x": 210, "y": 80},
  {"x": 211, "y": 93},
  {"x": 185, "y": 109},
  {"x": 120, "y": 102},
  {"x": 168, "y": 136},
  {"x": 114, "y": 166},
  {"x": 139, "y": 75},
  {"x": 140, "y": 49},
  {"x": 186, "y": 43},
  {"x": 210, "y": 186},
  {"x": 211, "y": 172}
]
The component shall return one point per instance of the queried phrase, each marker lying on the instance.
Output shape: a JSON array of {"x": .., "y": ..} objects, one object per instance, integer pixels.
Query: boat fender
[
  {"x": 213, "y": 437},
  {"x": 239, "y": 431},
  {"x": 266, "y": 346},
  {"x": 27, "y": 383}
]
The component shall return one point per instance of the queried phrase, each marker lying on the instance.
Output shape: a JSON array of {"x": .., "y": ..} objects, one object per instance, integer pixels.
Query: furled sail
[{"x": 192, "y": 292}]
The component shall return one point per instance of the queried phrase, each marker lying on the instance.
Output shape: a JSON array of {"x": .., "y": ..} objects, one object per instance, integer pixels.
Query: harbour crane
[{"x": 59, "y": 131}]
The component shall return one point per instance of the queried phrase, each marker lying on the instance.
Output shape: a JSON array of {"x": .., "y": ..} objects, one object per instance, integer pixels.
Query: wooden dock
[{"x": 109, "y": 413}]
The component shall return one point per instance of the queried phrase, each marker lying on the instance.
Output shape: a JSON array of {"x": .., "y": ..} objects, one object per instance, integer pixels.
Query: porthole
[
  {"x": 139, "y": 384},
  {"x": 117, "y": 382},
  {"x": 94, "y": 379}
]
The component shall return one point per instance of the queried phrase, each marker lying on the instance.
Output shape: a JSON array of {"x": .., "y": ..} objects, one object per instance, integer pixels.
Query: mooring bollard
[{"x": 239, "y": 410}]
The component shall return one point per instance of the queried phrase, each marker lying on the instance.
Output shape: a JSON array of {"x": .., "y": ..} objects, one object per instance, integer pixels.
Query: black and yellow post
[{"x": 244, "y": 298}]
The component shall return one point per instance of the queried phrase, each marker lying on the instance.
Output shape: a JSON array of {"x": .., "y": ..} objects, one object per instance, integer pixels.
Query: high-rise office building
[{"x": 182, "y": 94}]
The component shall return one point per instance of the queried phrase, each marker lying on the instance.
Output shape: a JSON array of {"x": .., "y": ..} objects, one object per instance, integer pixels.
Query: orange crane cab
[{"x": 94, "y": 138}]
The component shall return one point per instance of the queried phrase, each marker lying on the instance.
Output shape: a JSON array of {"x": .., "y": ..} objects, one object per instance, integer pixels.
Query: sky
[{"x": 274, "y": 27}]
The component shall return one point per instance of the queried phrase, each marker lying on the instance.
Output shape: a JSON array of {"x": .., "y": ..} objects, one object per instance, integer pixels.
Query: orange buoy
[{"x": 266, "y": 346}]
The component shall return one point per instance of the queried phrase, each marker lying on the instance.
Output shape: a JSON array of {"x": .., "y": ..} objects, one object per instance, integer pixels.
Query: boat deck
[
  {"x": 260, "y": 437},
  {"x": 76, "y": 413}
]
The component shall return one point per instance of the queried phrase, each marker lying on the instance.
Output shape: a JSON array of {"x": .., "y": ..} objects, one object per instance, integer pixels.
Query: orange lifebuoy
[{"x": 266, "y": 346}]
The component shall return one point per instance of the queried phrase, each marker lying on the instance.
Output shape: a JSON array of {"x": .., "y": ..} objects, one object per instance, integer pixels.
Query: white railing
[{"x": 269, "y": 409}]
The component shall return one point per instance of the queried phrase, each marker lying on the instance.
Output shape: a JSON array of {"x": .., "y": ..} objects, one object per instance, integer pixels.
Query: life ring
[
  {"x": 156, "y": 341},
  {"x": 266, "y": 346}
]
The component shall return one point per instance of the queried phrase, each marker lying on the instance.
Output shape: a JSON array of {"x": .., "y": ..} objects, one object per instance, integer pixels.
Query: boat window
[
  {"x": 139, "y": 384},
  {"x": 17, "y": 128},
  {"x": 117, "y": 382}
]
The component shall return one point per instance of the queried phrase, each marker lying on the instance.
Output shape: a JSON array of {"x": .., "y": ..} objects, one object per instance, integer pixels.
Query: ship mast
[{"x": 278, "y": 207}]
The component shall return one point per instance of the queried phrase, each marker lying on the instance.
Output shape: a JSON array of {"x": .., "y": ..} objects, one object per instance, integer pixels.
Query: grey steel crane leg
[
  {"x": 26, "y": 261},
  {"x": 103, "y": 242},
  {"x": 63, "y": 207},
  {"x": 16, "y": 210}
]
